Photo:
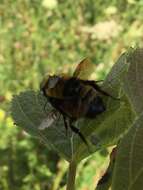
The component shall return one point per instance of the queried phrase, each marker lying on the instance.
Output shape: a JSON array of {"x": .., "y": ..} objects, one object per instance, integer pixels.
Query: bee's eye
[{"x": 53, "y": 80}]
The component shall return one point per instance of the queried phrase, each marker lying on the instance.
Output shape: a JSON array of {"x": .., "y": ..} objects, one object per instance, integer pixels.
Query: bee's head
[{"x": 48, "y": 83}]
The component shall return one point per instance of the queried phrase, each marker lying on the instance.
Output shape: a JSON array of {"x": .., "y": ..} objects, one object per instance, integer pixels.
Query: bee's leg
[
  {"x": 65, "y": 124},
  {"x": 77, "y": 131},
  {"x": 96, "y": 87}
]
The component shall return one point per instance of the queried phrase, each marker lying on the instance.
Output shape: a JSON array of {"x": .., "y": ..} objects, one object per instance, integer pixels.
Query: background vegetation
[{"x": 38, "y": 37}]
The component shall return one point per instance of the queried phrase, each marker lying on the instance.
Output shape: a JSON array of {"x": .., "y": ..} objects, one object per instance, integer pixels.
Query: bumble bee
[{"x": 74, "y": 96}]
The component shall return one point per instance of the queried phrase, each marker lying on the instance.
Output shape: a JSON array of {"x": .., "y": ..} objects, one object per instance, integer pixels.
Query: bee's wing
[
  {"x": 49, "y": 120},
  {"x": 84, "y": 69}
]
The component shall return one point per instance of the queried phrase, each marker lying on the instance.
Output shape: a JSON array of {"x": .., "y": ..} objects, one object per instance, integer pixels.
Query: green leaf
[
  {"x": 133, "y": 80},
  {"x": 116, "y": 75},
  {"x": 28, "y": 112},
  {"x": 128, "y": 172}
]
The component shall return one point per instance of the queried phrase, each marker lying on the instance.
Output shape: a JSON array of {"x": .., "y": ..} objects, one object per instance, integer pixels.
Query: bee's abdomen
[{"x": 96, "y": 107}]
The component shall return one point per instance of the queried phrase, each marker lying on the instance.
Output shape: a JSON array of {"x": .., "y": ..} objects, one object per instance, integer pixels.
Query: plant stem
[{"x": 71, "y": 176}]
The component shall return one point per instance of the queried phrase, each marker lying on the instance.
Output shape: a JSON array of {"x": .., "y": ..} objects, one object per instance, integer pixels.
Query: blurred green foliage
[{"x": 46, "y": 36}]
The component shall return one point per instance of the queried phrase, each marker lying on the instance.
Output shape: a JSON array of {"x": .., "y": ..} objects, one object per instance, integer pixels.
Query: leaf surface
[
  {"x": 128, "y": 172},
  {"x": 133, "y": 80}
]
